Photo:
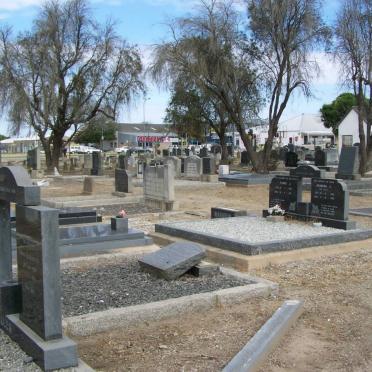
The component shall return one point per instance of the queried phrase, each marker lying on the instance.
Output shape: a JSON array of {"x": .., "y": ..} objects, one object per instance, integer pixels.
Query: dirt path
[{"x": 333, "y": 334}]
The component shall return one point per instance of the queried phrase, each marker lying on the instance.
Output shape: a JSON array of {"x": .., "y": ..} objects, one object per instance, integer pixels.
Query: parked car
[{"x": 120, "y": 150}]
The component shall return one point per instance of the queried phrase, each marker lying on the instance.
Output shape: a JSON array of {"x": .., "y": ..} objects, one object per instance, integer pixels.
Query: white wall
[{"x": 349, "y": 127}]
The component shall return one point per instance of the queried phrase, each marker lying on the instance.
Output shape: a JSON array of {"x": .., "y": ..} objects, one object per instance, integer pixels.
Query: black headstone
[
  {"x": 329, "y": 199},
  {"x": 320, "y": 158},
  {"x": 244, "y": 158},
  {"x": 291, "y": 159},
  {"x": 121, "y": 161},
  {"x": 208, "y": 165},
  {"x": 307, "y": 171},
  {"x": 187, "y": 152},
  {"x": 230, "y": 150},
  {"x": 97, "y": 164},
  {"x": 203, "y": 152},
  {"x": 286, "y": 192},
  {"x": 165, "y": 152},
  {"x": 179, "y": 152},
  {"x": 174, "y": 152}
]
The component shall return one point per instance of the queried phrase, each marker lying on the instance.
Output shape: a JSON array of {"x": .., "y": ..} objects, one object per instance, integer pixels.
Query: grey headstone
[
  {"x": 121, "y": 161},
  {"x": 123, "y": 181},
  {"x": 348, "y": 167},
  {"x": 193, "y": 166},
  {"x": 39, "y": 270},
  {"x": 34, "y": 159},
  {"x": 97, "y": 164},
  {"x": 172, "y": 261}
]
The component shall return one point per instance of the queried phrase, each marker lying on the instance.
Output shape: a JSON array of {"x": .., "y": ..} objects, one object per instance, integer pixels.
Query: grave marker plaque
[
  {"x": 208, "y": 165},
  {"x": 286, "y": 192},
  {"x": 173, "y": 260},
  {"x": 329, "y": 199},
  {"x": 203, "y": 152}
]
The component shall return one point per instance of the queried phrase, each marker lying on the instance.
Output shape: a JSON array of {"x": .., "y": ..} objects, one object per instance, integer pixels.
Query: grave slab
[{"x": 173, "y": 260}]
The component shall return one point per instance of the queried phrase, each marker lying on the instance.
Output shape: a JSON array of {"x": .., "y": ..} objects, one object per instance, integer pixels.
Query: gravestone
[
  {"x": 174, "y": 152},
  {"x": 244, "y": 158},
  {"x": 123, "y": 181},
  {"x": 174, "y": 162},
  {"x": 320, "y": 158},
  {"x": 209, "y": 165},
  {"x": 230, "y": 150},
  {"x": 348, "y": 166},
  {"x": 165, "y": 152},
  {"x": 187, "y": 151},
  {"x": 183, "y": 165},
  {"x": 227, "y": 213},
  {"x": 88, "y": 161},
  {"x": 34, "y": 159},
  {"x": 172, "y": 261},
  {"x": 193, "y": 167},
  {"x": 30, "y": 311},
  {"x": 285, "y": 191},
  {"x": 97, "y": 164},
  {"x": 307, "y": 171},
  {"x": 121, "y": 162},
  {"x": 158, "y": 187},
  {"x": 203, "y": 152},
  {"x": 330, "y": 199},
  {"x": 88, "y": 185},
  {"x": 291, "y": 159},
  {"x": 179, "y": 152},
  {"x": 216, "y": 149}
]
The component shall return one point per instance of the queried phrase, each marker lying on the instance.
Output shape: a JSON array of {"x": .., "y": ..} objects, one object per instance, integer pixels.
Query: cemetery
[
  {"x": 159, "y": 208},
  {"x": 149, "y": 244}
]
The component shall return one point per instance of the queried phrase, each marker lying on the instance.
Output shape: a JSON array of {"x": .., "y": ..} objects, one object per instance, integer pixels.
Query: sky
[{"x": 141, "y": 22}]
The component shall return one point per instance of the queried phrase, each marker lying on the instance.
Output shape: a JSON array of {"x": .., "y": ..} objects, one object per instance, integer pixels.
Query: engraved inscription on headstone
[
  {"x": 329, "y": 199},
  {"x": 285, "y": 192}
]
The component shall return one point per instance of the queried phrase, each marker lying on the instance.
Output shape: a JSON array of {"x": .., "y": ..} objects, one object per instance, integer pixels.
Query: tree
[
  {"x": 333, "y": 113},
  {"x": 353, "y": 48},
  {"x": 209, "y": 50},
  {"x": 65, "y": 72},
  {"x": 192, "y": 112},
  {"x": 94, "y": 131},
  {"x": 285, "y": 33}
]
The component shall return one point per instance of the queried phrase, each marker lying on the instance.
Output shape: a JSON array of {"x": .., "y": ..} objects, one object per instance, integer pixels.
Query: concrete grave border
[
  {"x": 101, "y": 321},
  {"x": 253, "y": 354},
  {"x": 262, "y": 248}
]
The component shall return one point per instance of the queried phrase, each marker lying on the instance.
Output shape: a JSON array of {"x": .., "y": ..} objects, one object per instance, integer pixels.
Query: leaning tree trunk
[
  {"x": 269, "y": 145},
  {"x": 362, "y": 135},
  {"x": 57, "y": 149}
]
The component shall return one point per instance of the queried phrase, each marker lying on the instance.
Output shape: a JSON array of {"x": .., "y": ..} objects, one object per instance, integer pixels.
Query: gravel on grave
[
  {"x": 255, "y": 230},
  {"x": 114, "y": 285}
]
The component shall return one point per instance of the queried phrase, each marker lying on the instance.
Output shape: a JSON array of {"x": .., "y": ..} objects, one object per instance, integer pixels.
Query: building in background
[
  {"x": 19, "y": 144},
  {"x": 348, "y": 130},
  {"x": 145, "y": 135}
]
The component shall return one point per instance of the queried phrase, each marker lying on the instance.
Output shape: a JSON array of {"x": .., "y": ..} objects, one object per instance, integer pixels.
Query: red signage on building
[{"x": 149, "y": 139}]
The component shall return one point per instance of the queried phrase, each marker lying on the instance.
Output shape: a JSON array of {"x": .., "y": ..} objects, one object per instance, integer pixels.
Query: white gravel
[{"x": 254, "y": 229}]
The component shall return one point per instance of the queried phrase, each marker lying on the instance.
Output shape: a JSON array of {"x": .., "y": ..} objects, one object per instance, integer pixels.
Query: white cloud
[
  {"x": 329, "y": 69},
  {"x": 10, "y": 5}
]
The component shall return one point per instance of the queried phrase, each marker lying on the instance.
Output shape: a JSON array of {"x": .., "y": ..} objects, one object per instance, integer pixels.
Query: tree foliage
[
  {"x": 64, "y": 72},
  {"x": 209, "y": 51},
  {"x": 94, "y": 131},
  {"x": 353, "y": 48},
  {"x": 333, "y": 113},
  {"x": 191, "y": 111},
  {"x": 285, "y": 33}
]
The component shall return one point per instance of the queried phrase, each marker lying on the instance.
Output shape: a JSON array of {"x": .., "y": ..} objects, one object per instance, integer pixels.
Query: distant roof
[
  {"x": 19, "y": 139},
  {"x": 143, "y": 128},
  {"x": 305, "y": 123}
]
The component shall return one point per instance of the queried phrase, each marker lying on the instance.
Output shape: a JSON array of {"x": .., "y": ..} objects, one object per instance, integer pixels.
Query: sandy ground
[{"x": 333, "y": 334}]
